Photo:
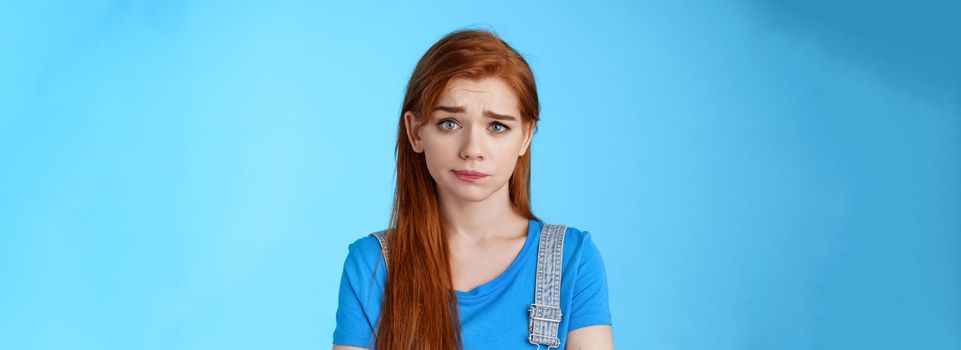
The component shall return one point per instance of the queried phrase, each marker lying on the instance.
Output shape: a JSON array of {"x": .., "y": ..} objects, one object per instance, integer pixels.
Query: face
[{"x": 475, "y": 126}]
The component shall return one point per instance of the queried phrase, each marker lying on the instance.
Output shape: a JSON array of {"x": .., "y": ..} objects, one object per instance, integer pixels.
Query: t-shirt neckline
[{"x": 533, "y": 234}]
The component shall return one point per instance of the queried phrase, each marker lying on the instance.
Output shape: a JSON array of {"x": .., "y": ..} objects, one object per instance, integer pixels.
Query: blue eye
[
  {"x": 443, "y": 125},
  {"x": 443, "y": 122},
  {"x": 504, "y": 127}
]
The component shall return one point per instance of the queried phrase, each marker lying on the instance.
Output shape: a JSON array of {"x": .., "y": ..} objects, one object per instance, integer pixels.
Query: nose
[{"x": 472, "y": 148}]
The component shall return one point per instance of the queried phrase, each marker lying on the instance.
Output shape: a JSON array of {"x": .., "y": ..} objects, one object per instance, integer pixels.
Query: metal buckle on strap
[
  {"x": 554, "y": 340},
  {"x": 545, "y": 313}
]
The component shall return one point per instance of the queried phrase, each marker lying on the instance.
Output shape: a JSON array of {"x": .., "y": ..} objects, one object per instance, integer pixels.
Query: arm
[
  {"x": 353, "y": 330},
  {"x": 590, "y": 338},
  {"x": 590, "y": 318}
]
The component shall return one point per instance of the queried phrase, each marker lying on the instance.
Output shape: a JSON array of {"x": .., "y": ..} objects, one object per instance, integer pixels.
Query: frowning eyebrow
[{"x": 489, "y": 114}]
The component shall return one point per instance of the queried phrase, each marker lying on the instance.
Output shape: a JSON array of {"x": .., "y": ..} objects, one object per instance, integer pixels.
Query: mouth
[{"x": 469, "y": 175}]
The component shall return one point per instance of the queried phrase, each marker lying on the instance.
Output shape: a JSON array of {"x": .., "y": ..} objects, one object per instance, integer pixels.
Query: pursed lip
[{"x": 471, "y": 173}]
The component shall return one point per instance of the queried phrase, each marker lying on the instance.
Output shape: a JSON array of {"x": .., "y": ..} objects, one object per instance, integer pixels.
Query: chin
[{"x": 470, "y": 194}]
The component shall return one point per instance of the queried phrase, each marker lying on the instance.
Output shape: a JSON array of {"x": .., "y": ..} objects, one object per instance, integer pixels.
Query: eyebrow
[{"x": 489, "y": 114}]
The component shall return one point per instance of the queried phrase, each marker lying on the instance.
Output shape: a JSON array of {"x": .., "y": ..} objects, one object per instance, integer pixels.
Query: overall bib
[{"x": 544, "y": 314}]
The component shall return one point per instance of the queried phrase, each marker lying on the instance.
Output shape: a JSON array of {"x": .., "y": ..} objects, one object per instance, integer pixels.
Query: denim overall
[{"x": 544, "y": 314}]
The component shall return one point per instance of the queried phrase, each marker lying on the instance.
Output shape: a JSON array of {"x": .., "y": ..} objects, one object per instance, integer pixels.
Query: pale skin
[{"x": 476, "y": 125}]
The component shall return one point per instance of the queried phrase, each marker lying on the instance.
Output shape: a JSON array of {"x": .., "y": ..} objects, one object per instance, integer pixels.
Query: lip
[{"x": 469, "y": 175}]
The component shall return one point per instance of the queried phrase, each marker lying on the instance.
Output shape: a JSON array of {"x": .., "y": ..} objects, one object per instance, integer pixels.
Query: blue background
[{"x": 757, "y": 175}]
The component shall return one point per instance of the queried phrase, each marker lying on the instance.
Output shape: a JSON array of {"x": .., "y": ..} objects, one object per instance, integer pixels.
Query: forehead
[{"x": 488, "y": 93}]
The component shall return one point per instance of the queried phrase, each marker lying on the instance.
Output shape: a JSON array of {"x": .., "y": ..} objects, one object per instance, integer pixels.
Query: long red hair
[{"x": 419, "y": 309}]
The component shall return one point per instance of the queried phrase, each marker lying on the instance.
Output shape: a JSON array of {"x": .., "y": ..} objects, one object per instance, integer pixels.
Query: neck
[{"x": 493, "y": 217}]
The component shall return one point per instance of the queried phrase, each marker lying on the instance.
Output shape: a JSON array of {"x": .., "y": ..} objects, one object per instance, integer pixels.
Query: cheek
[
  {"x": 438, "y": 147},
  {"x": 438, "y": 155},
  {"x": 507, "y": 157},
  {"x": 511, "y": 148}
]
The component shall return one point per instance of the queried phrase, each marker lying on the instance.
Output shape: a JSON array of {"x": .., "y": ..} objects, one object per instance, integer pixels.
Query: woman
[{"x": 463, "y": 249}]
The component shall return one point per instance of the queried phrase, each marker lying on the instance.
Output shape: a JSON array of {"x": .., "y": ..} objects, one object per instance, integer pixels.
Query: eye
[
  {"x": 504, "y": 128},
  {"x": 443, "y": 123}
]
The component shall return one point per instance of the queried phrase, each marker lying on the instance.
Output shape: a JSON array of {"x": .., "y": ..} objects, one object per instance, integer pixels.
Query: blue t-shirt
[{"x": 492, "y": 315}]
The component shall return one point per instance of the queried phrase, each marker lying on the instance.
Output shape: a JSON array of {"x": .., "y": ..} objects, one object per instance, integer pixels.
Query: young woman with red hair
[{"x": 465, "y": 263}]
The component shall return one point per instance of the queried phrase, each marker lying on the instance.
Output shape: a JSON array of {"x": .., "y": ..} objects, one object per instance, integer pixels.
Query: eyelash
[{"x": 506, "y": 128}]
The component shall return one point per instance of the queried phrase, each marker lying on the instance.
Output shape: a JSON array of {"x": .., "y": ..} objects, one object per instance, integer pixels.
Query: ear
[
  {"x": 528, "y": 135},
  {"x": 413, "y": 132}
]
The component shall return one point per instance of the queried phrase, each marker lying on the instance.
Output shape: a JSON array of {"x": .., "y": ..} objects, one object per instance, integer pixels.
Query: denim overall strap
[
  {"x": 382, "y": 238},
  {"x": 545, "y": 312}
]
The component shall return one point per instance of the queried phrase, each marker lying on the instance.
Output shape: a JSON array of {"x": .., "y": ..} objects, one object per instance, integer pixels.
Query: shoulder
[
  {"x": 364, "y": 252},
  {"x": 574, "y": 233},
  {"x": 577, "y": 239},
  {"x": 580, "y": 250},
  {"x": 365, "y": 243}
]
